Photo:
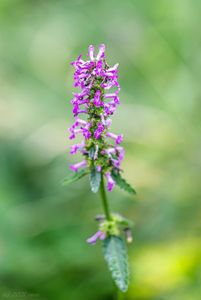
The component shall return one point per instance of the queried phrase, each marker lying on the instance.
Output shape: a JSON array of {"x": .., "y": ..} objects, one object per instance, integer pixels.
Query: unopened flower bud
[
  {"x": 100, "y": 218},
  {"x": 128, "y": 234}
]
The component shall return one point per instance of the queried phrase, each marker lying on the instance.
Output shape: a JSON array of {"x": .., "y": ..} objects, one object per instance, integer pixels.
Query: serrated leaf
[
  {"x": 122, "y": 183},
  {"x": 75, "y": 176},
  {"x": 115, "y": 254},
  {"x": 95, "y": 179}
]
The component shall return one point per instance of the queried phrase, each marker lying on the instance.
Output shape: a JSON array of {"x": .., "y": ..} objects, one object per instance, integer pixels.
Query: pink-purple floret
[
  {"x": 85, "y": 76},
  {"x": 98, "y": 235}
]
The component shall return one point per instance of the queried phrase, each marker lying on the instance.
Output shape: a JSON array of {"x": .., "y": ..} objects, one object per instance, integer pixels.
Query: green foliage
[
  {"x": 95, "y": 179},
  {"x": 75, "y": 176},
  {"x": 115, "y": 254},
  {"x": 122, "y": 183}
]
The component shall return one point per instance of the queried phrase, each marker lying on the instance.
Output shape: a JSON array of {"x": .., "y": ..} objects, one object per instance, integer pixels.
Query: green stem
[
  {"x": 120, "y": 295},
  {"x": 104, "y": 199}
]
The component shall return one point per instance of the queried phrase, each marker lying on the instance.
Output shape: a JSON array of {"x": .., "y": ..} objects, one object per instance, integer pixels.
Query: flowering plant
[{"x": 102, "y": 152}]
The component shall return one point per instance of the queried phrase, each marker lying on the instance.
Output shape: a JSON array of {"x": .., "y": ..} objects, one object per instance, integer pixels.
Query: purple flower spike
[
  {"x": 102, "y": 158},
  {"x": 94, "y": 78},
  {"x": 76, "y": 167},
  {"x": 97, "y": 100},
  {"x": 98, "y": 235}
]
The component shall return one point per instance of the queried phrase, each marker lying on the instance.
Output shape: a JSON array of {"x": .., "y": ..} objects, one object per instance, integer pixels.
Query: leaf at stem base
[{"x": 115, "y": 254}]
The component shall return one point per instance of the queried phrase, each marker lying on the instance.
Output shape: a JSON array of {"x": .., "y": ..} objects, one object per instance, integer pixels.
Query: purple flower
[
  {"x": 91, "y": 52},
  {"x": 98, "y": 168},
  {"x": 74, "y": 132},
  {"x": 110, "y": 181},
  {"x": 98, "y": 235},
  {"x": 99, "y": 68},
  {"x": 83, "y": 129},
  {"x": 118, "y": 138},
  {"x": 105, "y": 121},
  {"x": 101, "y": 52},
  {"x": 97, "y": 98},
  {"x": 77, "y": 110},
  {"x": 76, "y": 147},
  {"x": 113, "y": 69},
  {"x": 113, "y": 96},
  {"x": 99, "y": 131},
  {"x": 109, "y": 108},
  {"x": 76, "y": 167},
  {"x": 121, "y": 152},
  {"x": 86, "y": 133},
  {"x": 119, "y": 155}
]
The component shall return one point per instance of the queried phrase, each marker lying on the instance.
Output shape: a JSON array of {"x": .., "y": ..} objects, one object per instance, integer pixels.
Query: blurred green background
[{"x": 43, "y": 225}]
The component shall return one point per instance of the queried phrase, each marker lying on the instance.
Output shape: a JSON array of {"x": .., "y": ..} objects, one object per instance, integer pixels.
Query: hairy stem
[{"x": 104, "y": 198}]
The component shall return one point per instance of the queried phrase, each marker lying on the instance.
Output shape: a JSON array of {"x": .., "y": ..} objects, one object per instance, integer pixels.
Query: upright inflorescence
[
  {"x": 93, "y": 107},
  {"x": 100, "y": 148}
]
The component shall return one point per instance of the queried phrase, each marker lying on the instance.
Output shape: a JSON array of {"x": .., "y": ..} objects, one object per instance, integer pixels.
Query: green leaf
[
  {"x": 122, "y": 183},
  {"x": 115, "y": 254},
  {"x": 91, "y": 152},
  {"x": 95, "y": 179},
  {"x": 75, "y": 176}
]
